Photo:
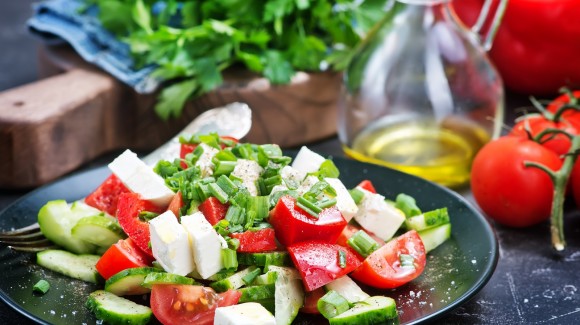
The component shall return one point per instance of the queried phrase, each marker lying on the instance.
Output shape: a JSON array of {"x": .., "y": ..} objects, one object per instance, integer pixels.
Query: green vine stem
[{"x": 560, "y": 180}]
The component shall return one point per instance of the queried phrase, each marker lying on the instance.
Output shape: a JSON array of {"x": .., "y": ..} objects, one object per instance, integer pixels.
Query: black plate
[{"x": 455, "y": 271}]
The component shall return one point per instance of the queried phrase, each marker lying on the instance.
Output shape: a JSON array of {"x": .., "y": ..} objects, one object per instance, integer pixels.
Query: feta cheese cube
[
  {"x": 204, "y": 162},
  {"x": 292, "y": 177},
  {"x": 170, "y": 244},
  {"x": 308, "y": 182},
  {"x": 344, "y": 201},
  {"x": 248, "y": 171},
  {"x": 141, "y": 179},
  {"x": 206, "y": 244},
  {"x": 307, "y": 161},
  {"x": 249, "y": 313},
  {"x": 377, "y": 216}
]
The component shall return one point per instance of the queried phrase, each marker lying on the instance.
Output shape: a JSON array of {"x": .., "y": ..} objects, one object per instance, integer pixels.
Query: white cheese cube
[
  {"x": 141, "y": 179},
  {"x": 307, "y": 161},
  {"x": 204, "y": 162},
  {"x": 377, "y": 216},
  {"x": 170, "y": 244},
  {"x": 292, "y": 177},
  {"x": 249, "y": 313},
  {"x": 206, "y": 244},
  {"x": 344, "y": 201},
  {"x": 308, "y": 182},
  {"x": 248, "y": 171}
]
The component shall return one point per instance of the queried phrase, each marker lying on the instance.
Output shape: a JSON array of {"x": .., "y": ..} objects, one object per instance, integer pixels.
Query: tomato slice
[
  {"x": 311, "y": 301},
  {"x": 188, "y": 304},
  {"x": 293, "y": 225},
  {"x": 176, "y": 204},
  {"x": 213, "y": 210},
  {"x": 367, "y": 185},
  {"x": 382, "y": 269},
  {"x": 128, "y": 209},
  {"x": 262, "y": 240},
  {"x": 318, "y": 262},
  {"x": 106, "y": 196},
  {"x": 121, "y": 256}
]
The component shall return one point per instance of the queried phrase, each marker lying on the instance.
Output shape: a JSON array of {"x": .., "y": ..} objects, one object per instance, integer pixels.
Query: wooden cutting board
[{"x": 76, "y": 113}]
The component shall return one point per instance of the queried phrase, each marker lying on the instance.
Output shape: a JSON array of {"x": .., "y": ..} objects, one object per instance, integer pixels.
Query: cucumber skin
[
  {"x": 234, "y": 281},
  {"x": 120, "y": 289},
  {"x": 261, "y": 259},
  {"x": 133, "y": 317},
  {"x": 433, "y": 237},
  {"x": 165, "y": 278},
  {"x": 84, "y": 264},
  {"x": 257, "y": 293},
  {"x": 98, "y": 230},
  {"x": 370, "y": 314}
]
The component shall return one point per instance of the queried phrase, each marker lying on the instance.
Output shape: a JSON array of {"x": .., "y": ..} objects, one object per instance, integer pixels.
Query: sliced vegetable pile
[
  {"x": 232, "y": 233},
  {"x": 522, "y": 178}
]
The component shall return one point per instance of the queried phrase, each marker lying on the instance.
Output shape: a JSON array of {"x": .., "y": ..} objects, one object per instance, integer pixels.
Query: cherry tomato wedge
[
  {"x": 106, "y": 196},
  {"x": 121, "y": 256},
  {"x": 262, "y": 240},
  {"x": 319, "y": 262},
  {"x": 176, "y": 204},
  {"x": 311, "y": 301},
  {"x": 213, "y": 210},
  {"x": 129, "y": 207},
  {"x": 367, "y": 185},
  {"x": 188, "y": 304},
  {"x": 293, "y": 225},
  {"x": 383, "y": 269}
]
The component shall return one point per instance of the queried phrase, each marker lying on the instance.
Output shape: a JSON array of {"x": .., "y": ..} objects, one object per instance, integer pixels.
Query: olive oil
[{"x": 440, "y": 152}]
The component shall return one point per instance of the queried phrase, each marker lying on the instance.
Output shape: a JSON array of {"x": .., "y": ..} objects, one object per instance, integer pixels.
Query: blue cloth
[{"x": 58, "y": 21}]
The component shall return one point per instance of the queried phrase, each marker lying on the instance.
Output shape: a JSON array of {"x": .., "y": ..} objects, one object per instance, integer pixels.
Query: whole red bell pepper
[{"x": 537, "y": 46}]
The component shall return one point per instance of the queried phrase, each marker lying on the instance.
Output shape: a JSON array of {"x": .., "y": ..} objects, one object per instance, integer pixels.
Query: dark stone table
[{"x": 531, "y": 285}]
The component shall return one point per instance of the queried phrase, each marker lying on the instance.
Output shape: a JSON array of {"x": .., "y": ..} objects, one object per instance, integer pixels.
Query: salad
[{"x": 238, "y": 233}]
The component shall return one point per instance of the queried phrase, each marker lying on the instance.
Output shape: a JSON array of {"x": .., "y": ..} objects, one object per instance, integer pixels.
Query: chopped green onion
[
  {"x": 250, "y": 277},
  {"x": 223, "y": 167},
  {"x": 261, "y": 185},
  {"x": 328, "y": 169},
  {"x": 362, "y": 243},
  {"x": 229, "y": 258},
  {"x": 308, "y": 206},
  {"x": 437, "y": 216},
  {"x": 407, "y": 260},
  {"x": 233, "y": 243},
  {"x": 224, "y": 155},
  {"x": 217, "y": 191},
  {"x": 342, "y": 259},
  {"x": 270, "y": 150},
  {"x": 260, "y": 205},
  {"x": 326, "y": 203},
  {"x": 147, "y": 216},
  {"x": 407, "y": 204},
  {"x": 227, "y": 185},
  {"x": 42, "y": 286},
  {"x": 235, "y": 215},
  {"x": 332, "y": 304},
  {"x": 203, "y": 191},
  {"x": 275, "y": 197},
  {"x": 357, "y": 195}
]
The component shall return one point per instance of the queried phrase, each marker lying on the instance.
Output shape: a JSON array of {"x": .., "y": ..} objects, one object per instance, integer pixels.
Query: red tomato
[
  {"x": 571, "y": 115},
  {"x": 176, "y": 204},
  {"x": 213, "y": 210},
  {"x": 106, "y": 196},
  {"x": 367, "y": 185},
  {"x": 121, "y": 256},
  {"x": 262, "y": 240},
  {"x": 382, "y": 269},
  {"x": 350, "y": 230},
  {"x": 535, "y": 124},
  {"x": 311, "y": 301},
  {"x": 128, "y": 209},
  {"x": 532, "y": 49},
  {"x": 188, "y": 304},
  {"x": 505, "y": 189},
  {"x": 318, "y": 262},
  {"x": 293, "y": 225}
]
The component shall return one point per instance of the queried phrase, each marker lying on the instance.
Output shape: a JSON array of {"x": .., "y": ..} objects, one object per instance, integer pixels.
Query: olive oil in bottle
[{"x": 440, "y": 152}]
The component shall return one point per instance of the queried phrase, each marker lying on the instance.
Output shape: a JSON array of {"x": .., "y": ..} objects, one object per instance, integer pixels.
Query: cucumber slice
[
  {"x": 98, "y": 230},
  {"x": 128, "y": 282},
  {"x": 272, "y": 274},
  {"x": 347, "y": 288},
  {"x": 374, "y": 310},
  {"x": 80, "y": 267},
  {"x": 234, "y": 281},
  {"x": 257, "y": 293},
  {"x": 434, "y": 237},
  {"x": 289, "y": 296},
  {"x": 264, "y": 259},
  {"x": 428, "y": 219},
  {"x": 56, "y": 221},
  {"x": 117, "y": 310},
  {"x": 266, "y": 278},
  {"x": 165, "y": 278},
  {"x": 81, "y": 209}
]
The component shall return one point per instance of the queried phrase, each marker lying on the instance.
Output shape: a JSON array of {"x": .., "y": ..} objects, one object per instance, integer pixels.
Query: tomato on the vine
[
  {"x": 534, "y": 125},
  {"x": 506, "y": 189},
  {"x": 571, "y": 115}
]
